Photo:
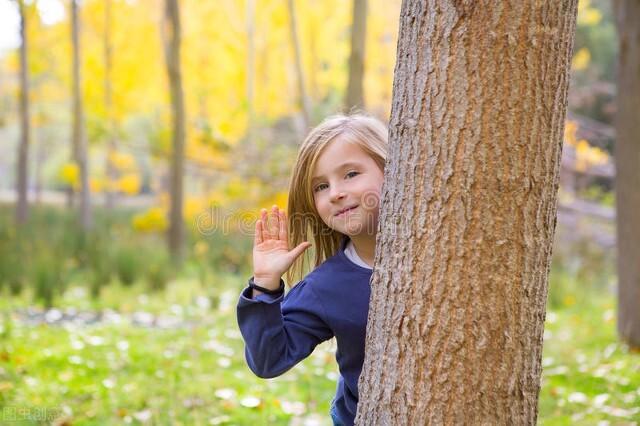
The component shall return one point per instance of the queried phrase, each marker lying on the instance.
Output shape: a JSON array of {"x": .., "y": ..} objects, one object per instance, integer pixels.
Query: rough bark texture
[
  {"x": 173, "y": 37},
  {"x": 302, "y": 92},
  {"x": 627, "y": 158},
  {"x": 78, "y": 133},
  {"x": 355, "y": 98},
  {"x": 468, "y": 213},
  {"x": 22, "y": 167}
]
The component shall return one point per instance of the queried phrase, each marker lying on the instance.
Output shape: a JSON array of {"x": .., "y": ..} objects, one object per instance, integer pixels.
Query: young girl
[{"x": 333, "y": 197}]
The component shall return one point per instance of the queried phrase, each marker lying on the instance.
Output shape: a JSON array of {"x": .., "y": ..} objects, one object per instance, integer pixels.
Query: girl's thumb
[{"x": 299, "y": 249}]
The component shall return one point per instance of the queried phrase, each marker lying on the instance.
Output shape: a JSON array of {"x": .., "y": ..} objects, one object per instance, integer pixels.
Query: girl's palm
[{"x": 271, "y": 254}]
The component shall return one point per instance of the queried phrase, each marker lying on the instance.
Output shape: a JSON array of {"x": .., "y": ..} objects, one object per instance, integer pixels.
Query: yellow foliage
[
  {"x": 70, "y": 174},
  {"x": 587, "y": 14},
  {"x": 570, "y": 129},
  {"x": 281, "y": 199},
  {"x": 569, "y": 300},
  {"x": 201, "y": 248},
  {"x": 96, "y": 184},
  {"x": 122, "y": 161},
  {"x": 587, "y": 156},
  {"x": 129, "y": 184},
  {"x": 153, "y": 220},
  {"x": 193, "y": 206},
  {"x": 581, "y": 59}
]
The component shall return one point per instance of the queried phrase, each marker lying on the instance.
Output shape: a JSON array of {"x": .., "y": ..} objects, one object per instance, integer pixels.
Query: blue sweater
[{"x": 332, "y": 300}]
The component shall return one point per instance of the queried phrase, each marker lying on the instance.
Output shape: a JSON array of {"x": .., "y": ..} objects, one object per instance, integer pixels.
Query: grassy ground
[
  {"x": 189, "y": 368},
  {"x": 173, "y": 354}
]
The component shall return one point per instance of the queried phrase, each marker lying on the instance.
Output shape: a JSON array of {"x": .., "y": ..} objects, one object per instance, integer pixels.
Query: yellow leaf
[
  {"x": 153, "y": 220},
  {"x": 581, "y": 59},
  {"x": 129, "y": 184},
  {"x": 70, "y": 174}
]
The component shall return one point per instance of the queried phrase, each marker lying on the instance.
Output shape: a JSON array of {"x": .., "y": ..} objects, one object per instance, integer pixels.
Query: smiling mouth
[{"x": 348, "y": 209}]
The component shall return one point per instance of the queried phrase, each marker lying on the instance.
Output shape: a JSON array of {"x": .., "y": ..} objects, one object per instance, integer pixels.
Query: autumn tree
[
  {"x": 111, "y": 171},
  {"x": 355, "y": 98},
  {"x": 468, "y": 213},
  {"x": 295, "y": 41},
  {"x": 22, "y": 169},
  {"x": 172, "y": 41},
  {"x": 627, "y": 160},
  {"x": 79, "y": 139}
]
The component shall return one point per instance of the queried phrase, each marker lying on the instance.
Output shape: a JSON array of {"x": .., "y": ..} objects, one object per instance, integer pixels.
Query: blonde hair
[{"x": 368, "y": 133}]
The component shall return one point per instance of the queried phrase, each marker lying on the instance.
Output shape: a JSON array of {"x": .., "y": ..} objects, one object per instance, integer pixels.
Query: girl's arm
[{"x": 280, "y": 331}]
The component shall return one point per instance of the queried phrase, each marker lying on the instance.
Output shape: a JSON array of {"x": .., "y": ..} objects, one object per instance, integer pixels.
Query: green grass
[
  {"x": 195, "y": 374},
  {"x": 115, "y": 373}
]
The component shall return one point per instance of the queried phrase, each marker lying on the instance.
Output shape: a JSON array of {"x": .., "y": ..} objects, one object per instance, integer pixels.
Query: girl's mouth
[{"x": 345, "y": 211}]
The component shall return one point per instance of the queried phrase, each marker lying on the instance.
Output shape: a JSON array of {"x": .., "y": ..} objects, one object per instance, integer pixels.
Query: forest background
[{"x": 107, "y": 323}]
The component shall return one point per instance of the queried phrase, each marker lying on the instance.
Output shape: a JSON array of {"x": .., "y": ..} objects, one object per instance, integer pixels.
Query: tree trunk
[
  {"x": 22, "y": 167},
  {"x": 627, "y": 181},
  {"x": 111, "y": 172},
  {"x": 355, "y": 97},
  {"x": 251, "y": 70},
  {"x": 78, "y": 134},
  {"x": 302, "y": 92},
  {"x": 172, "y": 34},
  {"x": 468, "y": 213}
]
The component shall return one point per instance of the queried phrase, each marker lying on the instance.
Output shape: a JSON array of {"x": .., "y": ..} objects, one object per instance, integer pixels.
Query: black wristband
[{"x": 275, "y": 292}]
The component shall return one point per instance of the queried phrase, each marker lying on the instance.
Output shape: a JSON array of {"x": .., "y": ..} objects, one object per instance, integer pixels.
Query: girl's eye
[
  {"x": 320, "y": 187},
  {"x": 352, "y": 174}
]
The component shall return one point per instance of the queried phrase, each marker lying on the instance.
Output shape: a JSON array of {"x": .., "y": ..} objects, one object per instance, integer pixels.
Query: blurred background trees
[{"x": 255, "y": 75}]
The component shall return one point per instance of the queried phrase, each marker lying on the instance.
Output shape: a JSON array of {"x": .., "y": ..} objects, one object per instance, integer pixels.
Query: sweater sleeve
[{"x": 280, "y": 331}]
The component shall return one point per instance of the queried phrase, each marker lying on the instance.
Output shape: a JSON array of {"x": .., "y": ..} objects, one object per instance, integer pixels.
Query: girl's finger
[
  {"x": 265, "y": 224},
  {"x": 283, "y": 226},
  {"x": 275, "y": 222},
  {"x": 258, "y": 238},
  {"x": 299, "y": 249}
]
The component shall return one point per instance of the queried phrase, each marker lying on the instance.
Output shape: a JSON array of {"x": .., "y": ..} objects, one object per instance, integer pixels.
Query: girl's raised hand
[{"x": 271, "y": 254}]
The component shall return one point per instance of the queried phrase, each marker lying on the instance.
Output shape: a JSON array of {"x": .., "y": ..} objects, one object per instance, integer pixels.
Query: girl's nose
[{"x": 337, "y": 194}]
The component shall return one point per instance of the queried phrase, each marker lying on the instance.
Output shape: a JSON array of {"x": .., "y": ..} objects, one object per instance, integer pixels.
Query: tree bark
[
  {"x": 302, "y": 92},
  {"x": 468, "y": 213},
  {"x": 22, "y": 167},
  {"x": 78, "y": 132},
  {"x": 172, "y": 34},
  {"x": 355, "y": 97},
  {"x": 627, "y": 181}
]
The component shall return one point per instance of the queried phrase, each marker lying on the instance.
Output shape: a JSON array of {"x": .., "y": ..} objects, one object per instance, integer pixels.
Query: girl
[{"x": 334, "y": 197}]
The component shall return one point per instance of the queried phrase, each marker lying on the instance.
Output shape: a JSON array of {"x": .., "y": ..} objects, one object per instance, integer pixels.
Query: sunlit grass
[{"x": 190, "y": 369}]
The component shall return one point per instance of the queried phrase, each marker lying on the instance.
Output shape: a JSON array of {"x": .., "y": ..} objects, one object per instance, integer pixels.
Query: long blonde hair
[{"x": 368, "y": 133}]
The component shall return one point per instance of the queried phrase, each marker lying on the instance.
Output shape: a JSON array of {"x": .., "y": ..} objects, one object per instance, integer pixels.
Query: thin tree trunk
[
  {"x": 111, "y": 172},
  {"x": 355, "y": 98},
  {"x": 302, "y": 92},
  {"x": 41, "y": 154},
  {"x": 468, "y": 213},
  {"x": 627, "y": 181},
  {"x": 22, "y": 167},
  {"x": 251, "y": 70},
  {"x": 172, "y": 36},
  {"x": 78, "y": 135}
]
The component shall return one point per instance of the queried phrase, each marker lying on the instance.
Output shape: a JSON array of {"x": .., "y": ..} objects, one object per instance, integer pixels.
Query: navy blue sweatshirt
[{"x": 332, "y": 300}]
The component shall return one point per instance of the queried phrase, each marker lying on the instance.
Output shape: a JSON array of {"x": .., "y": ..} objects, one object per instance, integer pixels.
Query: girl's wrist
[{"x": 268, "y": 282}]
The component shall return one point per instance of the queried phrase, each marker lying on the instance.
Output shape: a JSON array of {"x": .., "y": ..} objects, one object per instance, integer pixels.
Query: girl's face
[{"x": 346, "y": 184}]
